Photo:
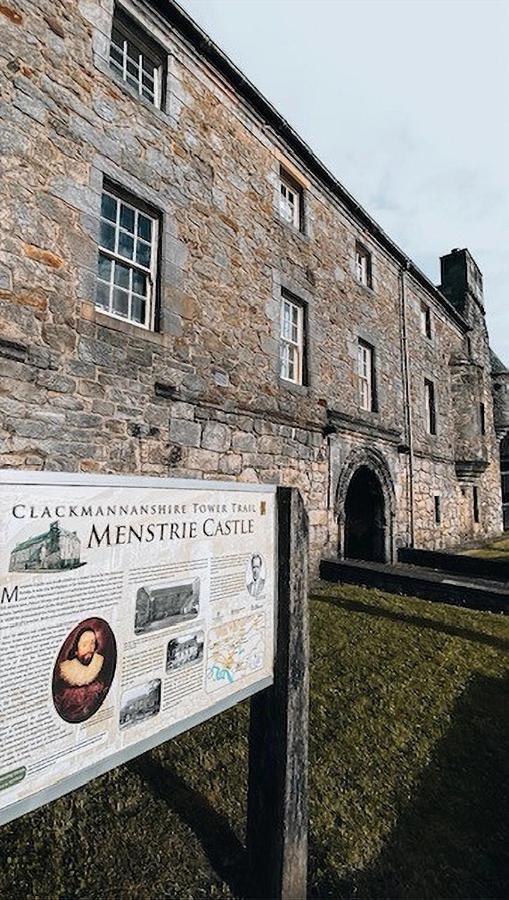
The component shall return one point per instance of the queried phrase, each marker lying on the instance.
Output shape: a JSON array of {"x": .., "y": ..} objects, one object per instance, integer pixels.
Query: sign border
[{"x": 70, "y": 783}]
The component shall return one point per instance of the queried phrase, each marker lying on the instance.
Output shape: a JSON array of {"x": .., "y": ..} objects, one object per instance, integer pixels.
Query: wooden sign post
[{"x": 278, "y": 740}]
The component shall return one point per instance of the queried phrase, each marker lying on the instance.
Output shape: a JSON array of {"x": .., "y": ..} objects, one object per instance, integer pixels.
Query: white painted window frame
[
  {"x": 292, "y": 341},
  {"x": 426, "y": 321},
  {"x": 363, "y": 265},
  {"x": 365, "y": 372},
  {"x": 151, "y": 271},
  {"x": 143, "y": 53},
  {"x": 290, "y": 201}
]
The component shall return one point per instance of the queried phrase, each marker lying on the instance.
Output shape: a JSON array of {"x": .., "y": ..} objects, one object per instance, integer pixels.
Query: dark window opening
[
  {"x": 475, "y": 498},
  {"x": 482, "y": 418},
  {"x": 438, "y": 515},
  {"x": 430, "y": 407}
]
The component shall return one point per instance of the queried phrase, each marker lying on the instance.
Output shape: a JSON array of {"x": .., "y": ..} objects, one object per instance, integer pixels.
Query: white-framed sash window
[
  {"x": 127, "y": 260},
  {"x": 290, "y": 201},
  {"x": 135, "y": 60},
  {"x": 365, "y": 371},
  {"x": 363, "y": 265},
  {"x": 292, "y": 341}
]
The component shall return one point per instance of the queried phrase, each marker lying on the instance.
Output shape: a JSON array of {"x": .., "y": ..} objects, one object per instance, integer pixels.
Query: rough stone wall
[{"x": 201, "y": 396}]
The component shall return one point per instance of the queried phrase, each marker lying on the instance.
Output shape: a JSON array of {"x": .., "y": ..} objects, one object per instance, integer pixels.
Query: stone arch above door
[{"x": 374, "y": 461}]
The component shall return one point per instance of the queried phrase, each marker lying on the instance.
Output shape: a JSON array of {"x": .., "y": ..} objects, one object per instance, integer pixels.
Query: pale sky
[{"x": 406, "y": 101}]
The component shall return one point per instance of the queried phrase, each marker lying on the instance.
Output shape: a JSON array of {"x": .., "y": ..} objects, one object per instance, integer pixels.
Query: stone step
[{"x": 418, "y": 581}]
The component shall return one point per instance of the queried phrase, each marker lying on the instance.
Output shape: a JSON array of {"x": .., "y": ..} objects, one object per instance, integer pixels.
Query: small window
[
  {"x": 366, "y": 374},
  {"x": 482, "y": 418},
  {"x": 291, "y": 201},
  {"x": 430, "y": 407},
  {"x": 127, "y": 259},
  {"x": 475, "y": 501},
  {"x": 426, "y": 320},
  {"x": 438, "y": 513},
  {"x": 363, "y": 269},
  {"x": 505, "y": 487},
  {"x": 137, "y": 59},
  {"x": 292, "y": 338}
]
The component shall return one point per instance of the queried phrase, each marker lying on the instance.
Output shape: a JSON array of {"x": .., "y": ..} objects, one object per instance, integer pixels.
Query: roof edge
[{"x": 179, "y": 19}]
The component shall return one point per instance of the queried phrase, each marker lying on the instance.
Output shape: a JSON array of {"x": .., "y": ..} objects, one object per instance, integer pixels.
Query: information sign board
[{"x": 131, "y": 608}]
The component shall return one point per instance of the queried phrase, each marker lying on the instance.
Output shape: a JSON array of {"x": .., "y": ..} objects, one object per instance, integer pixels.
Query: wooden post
[{"x": 278, "y": 738}]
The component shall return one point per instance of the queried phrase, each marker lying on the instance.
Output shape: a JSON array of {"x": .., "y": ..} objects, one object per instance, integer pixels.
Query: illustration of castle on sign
[{"x": 55, "y": 549}]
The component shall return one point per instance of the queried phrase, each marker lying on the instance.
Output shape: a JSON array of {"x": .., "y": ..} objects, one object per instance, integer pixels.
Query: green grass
[
  {"x": 498, "y": 550},
  {"x": 408, "y": 776}
]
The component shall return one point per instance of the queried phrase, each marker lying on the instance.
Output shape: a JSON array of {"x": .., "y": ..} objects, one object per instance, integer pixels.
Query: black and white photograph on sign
[
  {"x": 56, "y": 548},
  {"x": 84, "y": 670},
  {"x": 184, "y": 650},
  {"x": 163, "y": 607},
  {"x": 140, "y": 703},
  {"x": 255, "y": 575}
]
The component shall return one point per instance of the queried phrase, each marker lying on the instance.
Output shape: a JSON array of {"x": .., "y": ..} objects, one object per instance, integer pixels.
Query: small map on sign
[{"x": 235, "y": 651}]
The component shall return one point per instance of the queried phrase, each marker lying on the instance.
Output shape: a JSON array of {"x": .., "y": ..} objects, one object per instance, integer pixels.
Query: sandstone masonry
[{"x": 200, "y": 393}]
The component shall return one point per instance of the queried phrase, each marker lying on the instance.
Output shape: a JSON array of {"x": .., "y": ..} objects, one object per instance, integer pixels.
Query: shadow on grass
[
  {"x": 451, "y": 840},
  {"x": 226, "y": 854},
  {"x": 410, "y": 619}
]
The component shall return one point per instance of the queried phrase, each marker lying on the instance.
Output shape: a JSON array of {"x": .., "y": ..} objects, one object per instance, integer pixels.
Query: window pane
[
  {"x": 139, "y": 283},
  {"x": 109, "y": 208},
  {"x": 116, "y": 37},
  {"x": 144, "y": 227},
  {"x": 104, "y": 267},
  {"x": 107, "y": 236},
  {"x": 138, "y": 309},
  {"x": 122, "y": 275},
  {"x": 125, "y": 245},
  {"x": 120, "y": 302},
  {"x": 103, "y": 295},
  {"x": 143, "y": 253},
  {"x": 127, "y": 218},
  {"x": 116, "y": 57},
  {"x": 148, "y": 65}
]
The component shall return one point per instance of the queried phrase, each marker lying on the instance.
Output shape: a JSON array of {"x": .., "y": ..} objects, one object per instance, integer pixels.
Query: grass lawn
[
  {"x": 498, "y": 549},
  {"x": 409, "y": 776}
]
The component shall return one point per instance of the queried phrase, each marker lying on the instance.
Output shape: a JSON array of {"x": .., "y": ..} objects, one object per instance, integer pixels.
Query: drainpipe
[{"x": 407, "y": 398}]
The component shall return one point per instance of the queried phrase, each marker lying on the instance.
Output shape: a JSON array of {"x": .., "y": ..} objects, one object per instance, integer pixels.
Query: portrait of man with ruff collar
[{"x": 84, "y": 670}]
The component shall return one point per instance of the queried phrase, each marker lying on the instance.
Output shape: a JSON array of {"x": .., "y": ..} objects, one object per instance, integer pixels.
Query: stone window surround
[
  {"x": 426, "y": 320},
  {"x": 295, "y": 347},
  {"x": 131, "y": 30},
  {"x": 431, "y": 380},
  {"x": 279, "y": 283},
  {"x": 367, "y": 337},
  {"x": 287, "y": 180},
  {"x": 151, "y": 270},
  {"x": 361, "y": 247},
  {"x": 101, "y": 51},
  {"x": 284, "y": 169},
  {"x": 172, "y": 253}
]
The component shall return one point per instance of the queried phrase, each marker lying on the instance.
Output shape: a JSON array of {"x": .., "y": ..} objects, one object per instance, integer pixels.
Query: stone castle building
[{"x": 186, "y": 290}]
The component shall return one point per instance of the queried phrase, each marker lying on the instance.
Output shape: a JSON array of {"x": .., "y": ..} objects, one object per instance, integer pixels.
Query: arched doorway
[{"x": 365, "y": 536}]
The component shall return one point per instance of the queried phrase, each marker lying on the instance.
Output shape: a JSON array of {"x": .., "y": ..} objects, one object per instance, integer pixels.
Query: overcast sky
[{"x": 406, "y": 102}]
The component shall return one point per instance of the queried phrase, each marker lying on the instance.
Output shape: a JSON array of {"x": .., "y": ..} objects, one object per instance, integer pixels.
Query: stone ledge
[
  {"x": 92, "y": 314},
  {"x": 343, "y": 422}
]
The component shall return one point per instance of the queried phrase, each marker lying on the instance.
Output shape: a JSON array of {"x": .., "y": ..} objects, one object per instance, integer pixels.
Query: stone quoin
[{"x": 186, "y": 290}]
